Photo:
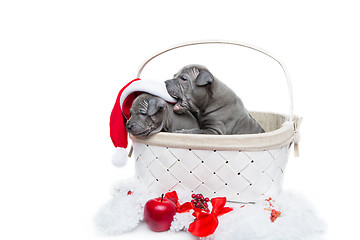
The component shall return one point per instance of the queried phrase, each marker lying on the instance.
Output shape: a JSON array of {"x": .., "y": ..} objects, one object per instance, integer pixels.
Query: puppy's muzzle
[
  {"x": 171, "y": 88},
  {"x": 131, "y": 127}
]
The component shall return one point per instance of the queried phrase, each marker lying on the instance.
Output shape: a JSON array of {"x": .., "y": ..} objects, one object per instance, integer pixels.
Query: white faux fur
[
  {"x": 298, "y": 220},
  {"x": 125, "y": 210}
]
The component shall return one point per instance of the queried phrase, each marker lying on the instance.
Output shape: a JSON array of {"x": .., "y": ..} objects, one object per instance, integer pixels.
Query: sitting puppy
[
  {"x": 218, "y": 109},
  {"x": 151, "y": 114}
]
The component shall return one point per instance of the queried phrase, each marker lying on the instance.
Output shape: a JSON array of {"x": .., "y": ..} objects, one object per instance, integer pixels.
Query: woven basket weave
[{"x": 242, "y": 168}]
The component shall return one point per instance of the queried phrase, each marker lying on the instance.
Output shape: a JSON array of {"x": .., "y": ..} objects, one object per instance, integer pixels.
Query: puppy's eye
[{"x": 184, "y": 78}]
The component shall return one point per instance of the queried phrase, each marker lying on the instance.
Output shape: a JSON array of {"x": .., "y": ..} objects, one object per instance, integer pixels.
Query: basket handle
[{"x": 291, "y": 115}]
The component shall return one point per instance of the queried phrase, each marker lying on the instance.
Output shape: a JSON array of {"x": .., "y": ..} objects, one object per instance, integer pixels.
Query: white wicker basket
[{"x": 242, "y": 168}]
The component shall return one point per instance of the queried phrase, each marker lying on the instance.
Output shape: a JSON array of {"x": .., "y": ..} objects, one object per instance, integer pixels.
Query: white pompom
[{"x": 120, "y": 156}]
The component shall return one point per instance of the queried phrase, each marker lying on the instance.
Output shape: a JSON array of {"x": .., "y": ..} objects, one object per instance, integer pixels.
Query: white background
[{"x": 62, "y": 64}]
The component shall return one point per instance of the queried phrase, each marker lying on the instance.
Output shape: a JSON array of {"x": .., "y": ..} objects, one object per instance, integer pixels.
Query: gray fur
[
  {"x": 218, "y": 109},
  {"x": 151, "y": 114}
]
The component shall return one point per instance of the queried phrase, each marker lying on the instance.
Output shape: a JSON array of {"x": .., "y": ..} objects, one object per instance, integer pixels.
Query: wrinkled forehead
[
  {"x": 141, "y": 103},
  {"x": 192, "y": 72}
]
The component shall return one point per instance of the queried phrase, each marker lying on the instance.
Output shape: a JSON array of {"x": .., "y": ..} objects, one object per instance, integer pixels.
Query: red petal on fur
[
  {"x": 204, "y": 226},
  {"x": 186, "y": 207},
  {"x": 172, "y": 196},
  {"x": 206, "y": 223}
]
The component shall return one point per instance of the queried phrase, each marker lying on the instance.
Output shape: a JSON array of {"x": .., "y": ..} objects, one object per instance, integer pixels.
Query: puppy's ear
[
  {"x": 155, "y": 104},
  {"x": 204, "y": 78}
]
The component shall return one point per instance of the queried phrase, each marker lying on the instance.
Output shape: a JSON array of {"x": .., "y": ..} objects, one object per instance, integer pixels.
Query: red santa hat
[{"x": 121, "y": 113}]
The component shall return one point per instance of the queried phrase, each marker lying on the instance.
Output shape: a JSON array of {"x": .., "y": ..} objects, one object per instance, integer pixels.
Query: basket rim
[{"x": 245, "y": 142}]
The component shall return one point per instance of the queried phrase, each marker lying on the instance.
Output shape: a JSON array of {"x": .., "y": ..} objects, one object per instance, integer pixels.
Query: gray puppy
[
  {"x": 151, "y": 114},
  {"x": 218, "y": 109}
]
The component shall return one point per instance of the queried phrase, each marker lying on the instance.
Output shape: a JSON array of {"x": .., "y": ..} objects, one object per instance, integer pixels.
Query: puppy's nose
[
  {"x": 129, "y": 126},
  {"x": 169, "y": 82}
]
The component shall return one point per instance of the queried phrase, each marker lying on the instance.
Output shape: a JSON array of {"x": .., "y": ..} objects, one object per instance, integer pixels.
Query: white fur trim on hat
[
  {"x": 119, "y": 157},
  {"x": 152, "y": 87}
]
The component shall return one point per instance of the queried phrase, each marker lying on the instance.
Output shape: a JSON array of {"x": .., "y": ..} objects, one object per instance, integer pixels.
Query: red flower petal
[
  {"x": 204, "y": 226},
  {"x": 186, "y": 207}
]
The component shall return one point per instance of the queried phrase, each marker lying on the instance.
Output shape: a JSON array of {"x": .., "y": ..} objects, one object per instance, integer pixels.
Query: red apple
[{"x": 159, "y": 213}]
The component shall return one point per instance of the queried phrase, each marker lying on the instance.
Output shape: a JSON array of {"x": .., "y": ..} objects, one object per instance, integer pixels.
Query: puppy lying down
[
  {"x": 218, "y": 109},
  {"x": 151, "y": 114}
]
